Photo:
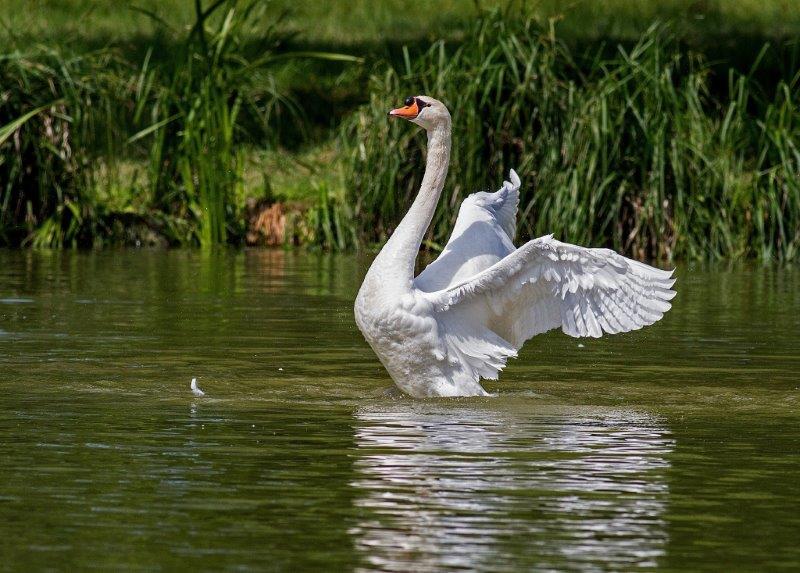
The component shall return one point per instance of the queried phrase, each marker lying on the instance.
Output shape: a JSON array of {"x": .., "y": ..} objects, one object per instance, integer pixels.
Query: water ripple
[{"x": 461, "y": 488}]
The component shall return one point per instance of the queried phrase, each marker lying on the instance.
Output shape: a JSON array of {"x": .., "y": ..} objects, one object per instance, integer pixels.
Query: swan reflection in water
[{"x": 441, "y": 487}]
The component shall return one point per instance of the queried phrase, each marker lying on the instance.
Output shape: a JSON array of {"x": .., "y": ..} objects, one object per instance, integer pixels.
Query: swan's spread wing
[
  {"x": 482, "y": 236},
  {"x": 547, "y": 284}
]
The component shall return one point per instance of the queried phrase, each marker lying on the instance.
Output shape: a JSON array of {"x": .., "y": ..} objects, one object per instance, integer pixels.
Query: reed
[
  {"x": 631, "y": 152},
  {"x": 192, "y": 108},
  {"x": 646, "y": 149},
  {"x": 48, "y": 106},
  {"x": 71, "y": 127},
  {"x": 204, "y": 109}
]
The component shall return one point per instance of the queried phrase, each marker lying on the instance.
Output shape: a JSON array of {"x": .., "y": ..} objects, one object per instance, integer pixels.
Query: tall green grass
[
  {"x": 648, "y": 150},
  {"x": 72, "y": 126},
  {"x": 49, "y": 105},
  {"x": 193, "y": 104},
  {"x": 632, "y": 151},
  {"x": 207, "y": 105}
]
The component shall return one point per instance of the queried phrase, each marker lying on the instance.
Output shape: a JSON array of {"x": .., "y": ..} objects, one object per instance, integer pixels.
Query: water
[{"x": 677, "y": 447}]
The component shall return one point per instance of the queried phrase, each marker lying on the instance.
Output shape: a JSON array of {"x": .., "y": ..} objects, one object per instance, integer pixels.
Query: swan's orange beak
[{"x": 406, "y": 112}]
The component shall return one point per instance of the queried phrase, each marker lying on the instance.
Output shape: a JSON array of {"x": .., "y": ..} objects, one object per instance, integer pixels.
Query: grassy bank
[
  {"x": 99, "y": 148},
  {"x": 97, "y": 23},
  {"x": 162, "y": 126}
]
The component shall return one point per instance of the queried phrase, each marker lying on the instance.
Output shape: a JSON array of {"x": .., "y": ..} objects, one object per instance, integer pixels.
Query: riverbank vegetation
[{"x": 669, "y": 132}]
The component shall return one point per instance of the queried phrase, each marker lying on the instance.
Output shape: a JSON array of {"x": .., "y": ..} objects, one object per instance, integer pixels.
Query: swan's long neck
[{"x": 399, "y": 254}]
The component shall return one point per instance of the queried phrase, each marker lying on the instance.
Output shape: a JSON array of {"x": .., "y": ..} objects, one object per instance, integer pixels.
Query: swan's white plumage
[
  {"x": 482, "y": 236},
  {"x": 548, "y": 284},
  {"x": 472, "y": 308}
]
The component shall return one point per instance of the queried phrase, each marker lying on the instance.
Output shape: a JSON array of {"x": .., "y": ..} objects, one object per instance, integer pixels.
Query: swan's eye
[
  {"x": 409, "y": 101},
  {"x": 421, "y": 104}
]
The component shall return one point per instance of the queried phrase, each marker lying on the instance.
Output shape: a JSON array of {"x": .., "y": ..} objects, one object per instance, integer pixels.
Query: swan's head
[{"x": 423, "y": 110}]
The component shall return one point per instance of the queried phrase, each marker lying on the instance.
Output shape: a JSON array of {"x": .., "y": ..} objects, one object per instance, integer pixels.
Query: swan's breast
[{"x": 399, "y": 324}]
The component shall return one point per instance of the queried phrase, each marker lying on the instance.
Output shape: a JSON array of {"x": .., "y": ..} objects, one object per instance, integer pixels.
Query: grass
[
  {"x": 193, "y": 106},
  {"x": 191, "y": 120},
  {"x": 48, "y": 106},
  {"x": 728, "y": 33},
  {"x": 159, "y": 124},
  {"x": 633, "y": 152},
  {"x": 356, "y": 22}
]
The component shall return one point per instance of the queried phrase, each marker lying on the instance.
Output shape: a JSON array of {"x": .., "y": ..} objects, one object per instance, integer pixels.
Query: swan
[{"x": 470, "y": 310}]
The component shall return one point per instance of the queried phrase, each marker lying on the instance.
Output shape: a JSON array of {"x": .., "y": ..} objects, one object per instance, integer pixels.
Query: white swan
[{"x": 473, "y": 307}]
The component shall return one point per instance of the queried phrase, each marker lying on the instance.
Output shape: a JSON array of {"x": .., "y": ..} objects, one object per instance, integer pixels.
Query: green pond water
[{"x": 676, "y": 447}]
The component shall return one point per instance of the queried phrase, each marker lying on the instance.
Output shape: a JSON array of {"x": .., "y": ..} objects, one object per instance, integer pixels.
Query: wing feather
[
  {"x": 482, "y": 236},
  {"x": 547, "y": 284}
]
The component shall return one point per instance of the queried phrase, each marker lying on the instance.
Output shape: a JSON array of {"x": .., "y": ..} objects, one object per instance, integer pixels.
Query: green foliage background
[{"x": 661, "y": 129}]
